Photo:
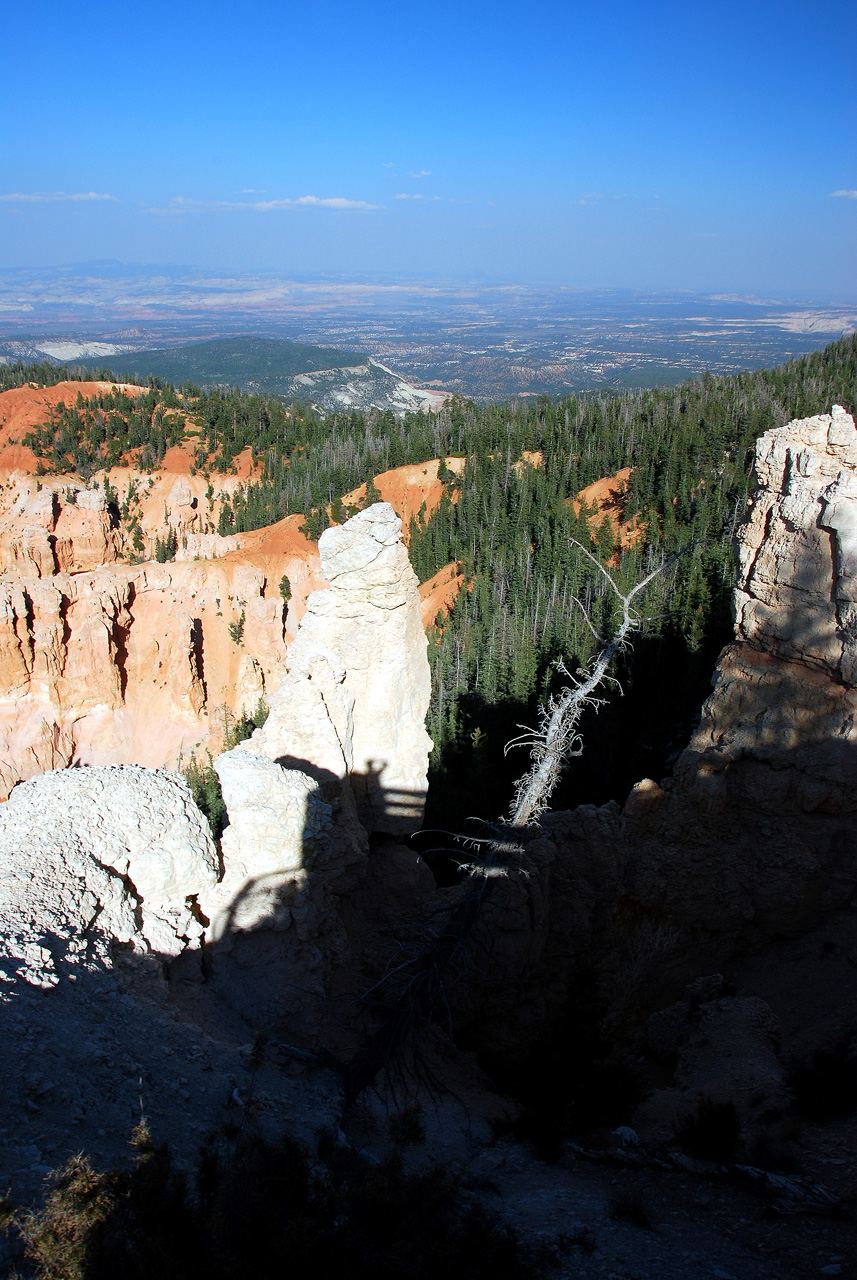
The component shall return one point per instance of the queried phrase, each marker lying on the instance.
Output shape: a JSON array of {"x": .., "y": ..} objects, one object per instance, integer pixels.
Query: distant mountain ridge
[
  {"x": 331, "y": 379},
  {"x": 255, "y": 364}
]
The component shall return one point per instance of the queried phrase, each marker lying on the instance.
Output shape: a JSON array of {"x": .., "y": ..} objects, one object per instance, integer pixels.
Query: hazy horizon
[
  {"x": 641, "y": 146},
  {"x": 124, "y": 267}
]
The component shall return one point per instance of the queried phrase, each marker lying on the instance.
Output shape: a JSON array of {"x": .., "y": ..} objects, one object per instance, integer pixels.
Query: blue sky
[{"x": 672, "y": 145}]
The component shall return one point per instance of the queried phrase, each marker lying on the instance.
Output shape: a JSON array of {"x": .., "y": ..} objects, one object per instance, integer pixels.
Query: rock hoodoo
[
  {"x": 343, "y": 752},
  {"x": 353, "y": 705}
]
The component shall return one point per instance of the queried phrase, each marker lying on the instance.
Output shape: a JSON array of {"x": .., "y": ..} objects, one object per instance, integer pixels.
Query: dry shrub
[{"x": 255, "y": 1207}]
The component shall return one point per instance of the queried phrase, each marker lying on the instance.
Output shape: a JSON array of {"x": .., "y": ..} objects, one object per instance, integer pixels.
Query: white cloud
[
  {"x": 845, "y": 195},
  {"x": 590, "y": 197},
  {"x": 404, "y": 195},
  {"x": 252, "y": 191},
  {"x": 423, "y": 173},
  {"x": 334, "y": 202},
  {"x": 388, "y": 164},
  {"x": 43, "y": 197},
  {"x": 183, "y": 204}
]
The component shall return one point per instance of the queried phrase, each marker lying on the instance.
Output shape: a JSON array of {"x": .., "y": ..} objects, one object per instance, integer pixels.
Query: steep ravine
[{"x": 703, "y": 935}]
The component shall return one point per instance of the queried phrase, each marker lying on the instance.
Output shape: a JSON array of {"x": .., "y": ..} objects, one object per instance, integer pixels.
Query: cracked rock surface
[{"x": 92, "y": 856}]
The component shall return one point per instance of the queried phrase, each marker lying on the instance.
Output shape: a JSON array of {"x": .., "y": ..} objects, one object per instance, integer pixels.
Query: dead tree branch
[
  {"x": 556, "y": 739},
  {"x": 417, "y": 982}
]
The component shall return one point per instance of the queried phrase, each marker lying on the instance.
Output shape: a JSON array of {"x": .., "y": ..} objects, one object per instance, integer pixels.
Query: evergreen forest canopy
[
  {"x": 47, "y": 374},
  {"x": 513, "y": 530}
]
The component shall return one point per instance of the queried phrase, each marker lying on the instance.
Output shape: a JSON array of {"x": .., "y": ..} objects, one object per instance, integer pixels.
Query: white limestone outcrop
[
  {"x": 94, "y": 856},
  {"x": 278, "y": 825},
  {"x": 786, "y": 689},
  {"x": 765, "y": 794},
  {"x": 353, "y": 705},
  {"x": 797, "y": 551}
]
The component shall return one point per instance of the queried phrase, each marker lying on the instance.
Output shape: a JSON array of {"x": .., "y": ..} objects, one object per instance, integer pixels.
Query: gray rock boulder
[{"x": 89, "y": 857}]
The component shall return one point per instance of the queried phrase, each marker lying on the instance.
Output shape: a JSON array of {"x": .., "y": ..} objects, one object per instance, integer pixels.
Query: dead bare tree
[
  {"x": 414, "y": 984},
  {"x": 556, "y": 740}
]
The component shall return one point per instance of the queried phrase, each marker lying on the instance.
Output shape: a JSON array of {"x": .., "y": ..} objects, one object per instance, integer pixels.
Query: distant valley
[{"x": 484, "y": 341}]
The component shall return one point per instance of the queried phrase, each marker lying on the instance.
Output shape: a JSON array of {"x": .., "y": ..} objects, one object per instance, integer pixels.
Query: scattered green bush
[
  {"x": 205, "y": 788},
  {"x": 236, "y": 629},
  {"x": 201, "y": 776},
  {"x": 239, "y": 728},
  {"x": 165, "y": 550}
]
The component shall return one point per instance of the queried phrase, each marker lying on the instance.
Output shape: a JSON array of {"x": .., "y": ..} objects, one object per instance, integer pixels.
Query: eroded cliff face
[
  {"x": 104, "y": 660},
  {"x": 61, "y": 524},
  {"x": 131, "y": 664}
]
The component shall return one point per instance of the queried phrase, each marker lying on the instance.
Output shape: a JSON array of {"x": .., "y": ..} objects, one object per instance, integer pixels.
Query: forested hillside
[
  {"x": 512, "y": 527},
  {"x": 265, "y": 364},
  {"x": 691, "y": 451},
  {"x": 19, "y": 373}
]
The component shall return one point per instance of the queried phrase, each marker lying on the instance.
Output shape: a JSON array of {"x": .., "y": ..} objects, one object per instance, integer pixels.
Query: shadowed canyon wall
[{"x": 751, "y": 841}]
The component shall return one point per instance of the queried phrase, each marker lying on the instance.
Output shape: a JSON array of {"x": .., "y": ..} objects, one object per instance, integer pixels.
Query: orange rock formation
[
  {"x": 440, "y": 592},
  {"x": 106, "y": 656},
  {"x": 23, "y": 408},
  {"x": 109, "y": 657},
  {"x": 609, "y": 496},
  {"x": 407, "y": 488}
]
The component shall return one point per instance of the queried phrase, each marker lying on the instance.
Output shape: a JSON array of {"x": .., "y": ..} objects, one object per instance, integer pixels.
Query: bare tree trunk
[
  {"x": 556, "y": 740},
  {"x": 415, "y": 984}
]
